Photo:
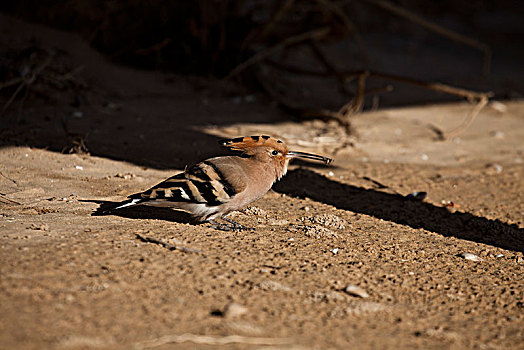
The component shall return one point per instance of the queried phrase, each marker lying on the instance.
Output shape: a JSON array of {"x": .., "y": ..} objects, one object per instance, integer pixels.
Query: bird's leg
[
  {"x": 232, "y": 226},
  {"x": 236, "y": 225}
]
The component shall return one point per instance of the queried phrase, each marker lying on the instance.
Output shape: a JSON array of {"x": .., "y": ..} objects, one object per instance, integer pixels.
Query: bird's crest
[{"x": 249, "y": 142}]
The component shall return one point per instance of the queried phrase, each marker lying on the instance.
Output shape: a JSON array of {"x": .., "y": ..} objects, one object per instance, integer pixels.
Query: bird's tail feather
[
  {"x": 128, "y": 203},
  {"x": 106, "y": 209}
]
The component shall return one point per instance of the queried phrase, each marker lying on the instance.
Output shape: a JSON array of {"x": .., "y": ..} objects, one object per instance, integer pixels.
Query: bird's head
[{"x": 270, "y": 151}]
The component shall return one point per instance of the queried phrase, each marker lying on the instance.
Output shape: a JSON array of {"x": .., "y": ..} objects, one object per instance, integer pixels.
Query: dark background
[
  {"x": 210, "y": 38},
  {"x": 197, "y": 44}
]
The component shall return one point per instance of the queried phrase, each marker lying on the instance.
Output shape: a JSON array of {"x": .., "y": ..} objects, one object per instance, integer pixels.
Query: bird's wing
[{"x": 204, "y": 182}]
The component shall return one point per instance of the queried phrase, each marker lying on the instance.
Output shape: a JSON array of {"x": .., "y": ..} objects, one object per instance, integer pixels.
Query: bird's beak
[{"x": 292, "y": 154}]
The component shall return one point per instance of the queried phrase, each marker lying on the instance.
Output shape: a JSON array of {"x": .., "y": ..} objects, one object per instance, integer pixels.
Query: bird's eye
[{"x": 275, "y": 152}]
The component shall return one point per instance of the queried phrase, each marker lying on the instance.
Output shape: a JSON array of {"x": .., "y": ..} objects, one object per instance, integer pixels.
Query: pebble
[
  {"x": 497, "y": 167},
  {"x": 334, "y": 251},
  {"x": 356, "y": 291},
  {"x": 469, "y": 256},
  {"x": 79, "y": 167},
  {"x": 274, "y": 286},
  {"x": 125, "y": 176},
  {"x": 498, "y": 134},
  {"x": 498, "y": 106},
  {"x": 41, "y": 227},
  {"x": 234, "y": 310}
]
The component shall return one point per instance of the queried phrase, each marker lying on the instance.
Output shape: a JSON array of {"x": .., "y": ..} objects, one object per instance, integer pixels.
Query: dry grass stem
[
  {"x": 262, "y": 55},
  {"x": 210, "y": 340}
]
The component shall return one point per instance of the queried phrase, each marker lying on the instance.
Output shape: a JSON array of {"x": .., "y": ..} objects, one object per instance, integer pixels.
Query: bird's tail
[
  {"x": 128, "y": 203},
  {"x": 112, "y": 207}
]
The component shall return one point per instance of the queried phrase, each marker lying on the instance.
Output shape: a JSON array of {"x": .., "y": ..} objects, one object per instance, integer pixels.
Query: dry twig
[
  {"x": 210, "y": 340},
  {"x": 4, "y": 198},
  {"x": 268, "y": 28},
  {"x": 25, "y": 82},
  {"x": 354, "y": 106},
  {"x": 8, "y": 178},
  {"x": 165, "y": 244},
  {"x": 11, "y": 82},
  {"x": 335, "y": 9},
  {"x": 262, "y": 55},
  {"x": 469, "y": 119}
]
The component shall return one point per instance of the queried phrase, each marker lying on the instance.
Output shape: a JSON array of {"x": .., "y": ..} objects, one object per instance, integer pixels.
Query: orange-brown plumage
[{"x": 215, "y": 187}]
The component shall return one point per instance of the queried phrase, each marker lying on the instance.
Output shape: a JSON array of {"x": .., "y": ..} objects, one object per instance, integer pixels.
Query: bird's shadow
[
  {"x": 396, "y": 208},
  {"x": 141, "y": 212}
]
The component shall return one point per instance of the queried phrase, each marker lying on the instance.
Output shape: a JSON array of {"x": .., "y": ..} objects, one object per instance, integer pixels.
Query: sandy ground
[{"x": 339, "y": 258}]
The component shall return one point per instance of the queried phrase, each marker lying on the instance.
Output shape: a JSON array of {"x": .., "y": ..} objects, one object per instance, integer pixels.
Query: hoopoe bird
[{"x": 217, "y": 186}]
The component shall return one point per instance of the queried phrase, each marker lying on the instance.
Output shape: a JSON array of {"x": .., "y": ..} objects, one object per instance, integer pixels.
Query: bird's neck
[{"x": 267, "y": 171}]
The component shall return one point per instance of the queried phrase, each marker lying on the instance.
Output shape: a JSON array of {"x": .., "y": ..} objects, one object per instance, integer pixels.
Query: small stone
[
  {"x": 41, "y": 227},
  {"x": 234, "y": 310},
  {"x": 356, "y": 291},
  {"x": 274, "y": 286},
  {"x": 497, "y": 168},
  {"x": 125, "y": 176},
  {"x": 469, "y": 256},
  {"x": 498, "y": 134},
  {"x": 254, "y": 211},
  {"x": 498, "y": 106},
  {"x": 277, "y": 222}
]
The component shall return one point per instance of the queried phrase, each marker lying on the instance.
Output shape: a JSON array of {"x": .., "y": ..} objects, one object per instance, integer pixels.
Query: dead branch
[
  {"x": 210, "y": 340},
  {"x": 358, "y": 101},
  {"x": 154, "y": 48},
  {"x": 379, "y": 90},
  {"x": 469, "y": 119},
  {"x": 71, "y": 74},
  {"x": 11, "y": 82},
  {"x": 4, "y": 198},
  {"x": 451, "y": 90},
  {"x": 431, "y": 26},
  {"x": 26, "y": 82},
  {"x": 286, "y": 6},
  {"x": 8, "y": 178},
  {"x": 350, "y": 27},
  {"x": 262, "y": 55},
  {"x": 448, "y": 89},
  {"x": 355, "y": 105},
  {"x": 294, "y": 108}
]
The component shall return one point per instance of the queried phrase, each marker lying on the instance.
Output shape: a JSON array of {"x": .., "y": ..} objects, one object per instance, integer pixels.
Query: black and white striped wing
[{"x": 203, "y": 183}]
